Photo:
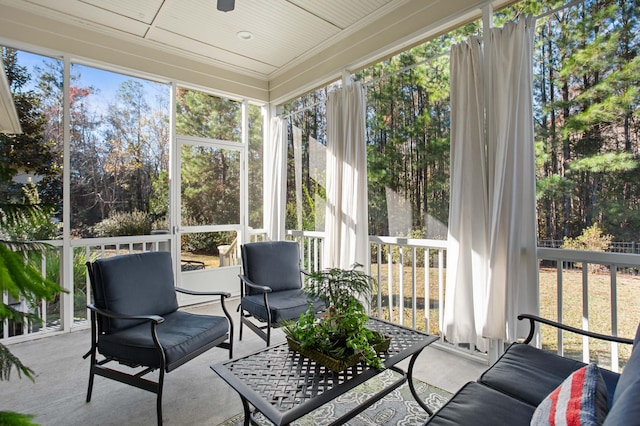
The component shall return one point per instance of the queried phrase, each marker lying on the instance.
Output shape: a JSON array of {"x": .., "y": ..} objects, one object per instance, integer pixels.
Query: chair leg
[
  {"x": 159, "y": 399},
  {"x": 92, "y": 353},
  {"x": 269, "y": 333},
  {"x": 90, "y": 389}
]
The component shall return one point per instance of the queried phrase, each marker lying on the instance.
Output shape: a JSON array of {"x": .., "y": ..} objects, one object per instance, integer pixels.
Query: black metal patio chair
[
  {"x": 271, "y": 287},
  {"x": 135, "y": 321}
]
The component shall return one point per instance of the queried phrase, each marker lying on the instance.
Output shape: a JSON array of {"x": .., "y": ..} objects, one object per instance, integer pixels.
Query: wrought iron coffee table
[{"x": 284, "y": 385}]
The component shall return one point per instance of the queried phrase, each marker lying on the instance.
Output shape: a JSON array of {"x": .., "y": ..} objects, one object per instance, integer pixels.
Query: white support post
[
  {"x": 244, "y": 173},
  {"x": 174, "y": 187},
  {"x": 66, "y": 257}
]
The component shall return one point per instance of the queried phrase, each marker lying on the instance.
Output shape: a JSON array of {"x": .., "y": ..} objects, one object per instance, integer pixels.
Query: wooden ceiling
[{"x": 294, "y": 44}]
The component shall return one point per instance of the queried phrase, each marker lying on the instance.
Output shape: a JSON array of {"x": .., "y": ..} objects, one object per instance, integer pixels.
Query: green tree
[
  {"x": 586, "y": 100},
  {"x": 29, "y": 151},
  {"x": 408, "y": 136}
]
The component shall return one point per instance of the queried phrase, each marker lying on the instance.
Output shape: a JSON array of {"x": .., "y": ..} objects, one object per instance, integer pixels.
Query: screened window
[{"x": 119, "y": 153}]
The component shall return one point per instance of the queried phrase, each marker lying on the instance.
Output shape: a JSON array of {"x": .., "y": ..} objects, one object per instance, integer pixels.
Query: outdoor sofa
[{"x": 526, "y": 378}]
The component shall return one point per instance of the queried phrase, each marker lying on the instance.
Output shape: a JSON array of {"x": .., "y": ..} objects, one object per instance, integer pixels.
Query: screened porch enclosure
[{"x": 215, "y": 182}]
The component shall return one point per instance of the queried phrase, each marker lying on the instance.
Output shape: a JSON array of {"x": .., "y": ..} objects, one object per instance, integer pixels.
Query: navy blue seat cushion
[
  {"x": 275, "y": 264},
  {"x": 530, "y": 374},
  {"x": 134, "y": 284},
  {"x": 284, "y": 305},
  {"x": 181, "y": 334},
  {"x": 479, "y": 405}
]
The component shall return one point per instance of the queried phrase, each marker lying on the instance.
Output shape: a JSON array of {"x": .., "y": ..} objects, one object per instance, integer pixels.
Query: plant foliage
[
  {"x": 341, "y": 331},
  {"x": 21, "y": 280},
  {"x": 16, "y": 419},
  {"x": 337, "y": 287}
]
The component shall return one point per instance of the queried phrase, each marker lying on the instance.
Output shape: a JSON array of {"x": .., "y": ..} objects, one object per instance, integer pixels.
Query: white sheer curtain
[
  {"x": 492, "y": 269},
  {"x": 513, "y": 275},
  {"x": 468, "y": 209},
  {"x": 275, "y": 179},
  {"x": 346, "y": 220}
]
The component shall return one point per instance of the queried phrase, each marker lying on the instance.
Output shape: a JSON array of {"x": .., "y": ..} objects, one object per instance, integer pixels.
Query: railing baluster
[
  {"x": 401, "y": 287},
  {"x": 441, "y": 292},
  {"x": 427, "y": 290},
  {"x": 585, "y": 311},
  {"x": 379, "y": 258},
  {"x": 43, "y": 303},
  {"x": 390, "y": 280},
  {"x": 5, "y": 321},
  {"x": 414, "y": 288},
  {"x": 613, "y": 270},
  {"x": 560, "y": 302}
]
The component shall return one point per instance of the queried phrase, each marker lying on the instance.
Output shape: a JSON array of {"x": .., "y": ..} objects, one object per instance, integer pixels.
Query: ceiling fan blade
[{"x": 226, "y": 5}]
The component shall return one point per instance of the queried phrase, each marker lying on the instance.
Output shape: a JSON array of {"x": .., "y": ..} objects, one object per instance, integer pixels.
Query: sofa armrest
[{"x": 534, "y": 318}]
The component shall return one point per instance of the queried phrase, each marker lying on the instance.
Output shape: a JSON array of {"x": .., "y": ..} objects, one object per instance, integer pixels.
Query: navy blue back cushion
[
  {"x": 630, "y": 376},
  {"x": 134, "y": 284},
  {"x": 274, "y": 264}
]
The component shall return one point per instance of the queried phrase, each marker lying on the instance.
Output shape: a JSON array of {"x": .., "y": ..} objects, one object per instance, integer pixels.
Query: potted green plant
[{"x": 338, "y": 338}]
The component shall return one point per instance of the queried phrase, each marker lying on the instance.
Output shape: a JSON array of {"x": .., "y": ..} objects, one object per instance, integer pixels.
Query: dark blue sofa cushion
[
  {"x": 134, "y": 284},
  {"x": 479, "y": 405},
  {"x": 181, "y": 334},
  {"x": 626, "y": 401},
  {"x": 275, "y": 264},
  {"x": 631, "y": 372},
  {"x": 284, "y": 305},
  {"x": 530, "y": 374},
  {"x": 626, "y": 409}
]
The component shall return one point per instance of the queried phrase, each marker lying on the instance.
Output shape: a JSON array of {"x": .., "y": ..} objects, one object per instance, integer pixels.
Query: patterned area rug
[{"x": 397, "y": 408}]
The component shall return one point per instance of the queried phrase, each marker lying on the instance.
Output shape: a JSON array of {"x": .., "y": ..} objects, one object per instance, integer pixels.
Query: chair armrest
[
  {"x": 155, "y": 318},
  {"x": 253, "y": 285},
  {"x": 203, "y": 293},
  {"x": 534, "y": 318}
]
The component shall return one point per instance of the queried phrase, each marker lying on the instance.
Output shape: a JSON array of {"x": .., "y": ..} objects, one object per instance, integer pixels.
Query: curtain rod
[
  {"x": 408, "y": 67},
  {"x": 301, "y": 110},
  {"x": 564, "y": 6},
  {"x": 433, "y": 58}
]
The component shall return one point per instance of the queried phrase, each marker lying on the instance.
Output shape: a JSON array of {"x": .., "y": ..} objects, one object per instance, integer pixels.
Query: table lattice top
[{"x": 285, "y": 379}]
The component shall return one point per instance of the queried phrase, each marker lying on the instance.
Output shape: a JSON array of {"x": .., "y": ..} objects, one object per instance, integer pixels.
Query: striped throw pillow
[{"x": 580, "y": 400}]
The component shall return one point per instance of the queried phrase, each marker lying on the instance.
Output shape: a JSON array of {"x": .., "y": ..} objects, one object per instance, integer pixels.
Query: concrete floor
[{"x": 193, "y": 394}]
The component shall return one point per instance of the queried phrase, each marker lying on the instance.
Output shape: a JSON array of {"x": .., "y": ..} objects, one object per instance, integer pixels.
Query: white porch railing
[
  {"x": 311, "y": 247},
  {"x": 410, "y": 275},
  {"x": 404, "y": 286},
  {"x": 605, "y": 305}
]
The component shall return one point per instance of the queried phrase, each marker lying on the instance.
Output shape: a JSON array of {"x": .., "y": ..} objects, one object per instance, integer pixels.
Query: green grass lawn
[{"x": 599, "y": 307}]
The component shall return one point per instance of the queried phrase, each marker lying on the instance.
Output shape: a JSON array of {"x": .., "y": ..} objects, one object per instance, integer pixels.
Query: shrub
[
  {"x": 591, "y": 239},
  {"x": 120, "y": 224},
  {"x": 37, "y": 224},
  {"x": 206, "y": 242}
]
